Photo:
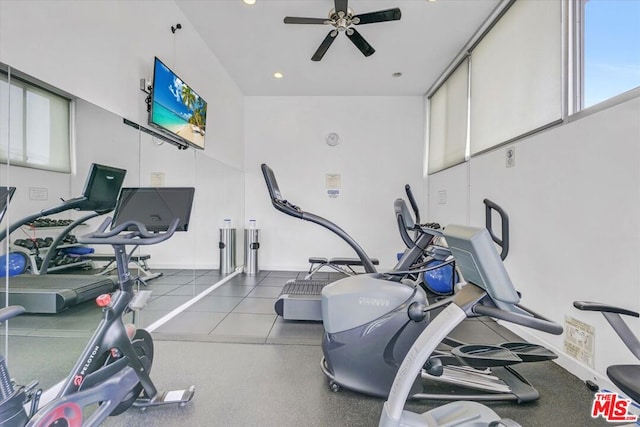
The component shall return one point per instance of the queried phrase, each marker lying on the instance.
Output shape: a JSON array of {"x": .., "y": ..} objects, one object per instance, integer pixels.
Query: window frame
[{"x": 11, "y": 76}]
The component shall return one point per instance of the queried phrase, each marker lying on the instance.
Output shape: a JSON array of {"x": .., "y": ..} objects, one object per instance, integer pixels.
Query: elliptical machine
[
  {"x": 488, "y": 292},
  {"x": 112, "y": 373},
  {"x": 371, "y": 323}
]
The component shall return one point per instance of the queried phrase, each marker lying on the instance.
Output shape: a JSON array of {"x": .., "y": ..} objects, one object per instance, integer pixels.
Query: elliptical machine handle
[
  {"x": 534, "y": 320},
  {"x": 503, "y": 242},
  {"x": 140, "y": 236},
  {"x": 412, "y": 201}
]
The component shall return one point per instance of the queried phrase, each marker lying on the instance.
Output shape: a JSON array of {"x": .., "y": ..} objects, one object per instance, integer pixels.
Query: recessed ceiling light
[
  {"x": 278, "y": 75},
  {"x": 249, "y": 2},
  {"x": 396, "y": 74}
]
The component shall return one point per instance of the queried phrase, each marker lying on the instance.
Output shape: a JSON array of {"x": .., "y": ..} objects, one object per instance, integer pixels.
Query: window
[
  {"x": 520, "y": 73},
  {"x": 38, "y": 126},
  {"x": 516, "y": 75},
  {"x": 448, "y": 108},
  {"x": 611, "y": 48}
]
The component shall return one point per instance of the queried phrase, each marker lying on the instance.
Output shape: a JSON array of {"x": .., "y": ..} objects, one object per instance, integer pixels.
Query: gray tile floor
[
  {"x": 240, "y": 310},
  {"x": 227, "y": 345}
]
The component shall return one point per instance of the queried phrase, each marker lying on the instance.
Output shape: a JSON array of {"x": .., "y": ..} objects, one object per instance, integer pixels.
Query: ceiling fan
[{"x": 342, "y": 19}]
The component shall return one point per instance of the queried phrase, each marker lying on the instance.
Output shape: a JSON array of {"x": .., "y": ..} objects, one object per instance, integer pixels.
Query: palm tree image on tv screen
[{"x": 176, "y": 107}]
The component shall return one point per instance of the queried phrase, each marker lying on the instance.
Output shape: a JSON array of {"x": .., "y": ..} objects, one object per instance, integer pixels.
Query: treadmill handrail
[
  {"x": 65, "y": 206},
  {"x": 60, "y": 238},
  {"x": 364, "y": 258},
  {"x": 290, "y": 209}
]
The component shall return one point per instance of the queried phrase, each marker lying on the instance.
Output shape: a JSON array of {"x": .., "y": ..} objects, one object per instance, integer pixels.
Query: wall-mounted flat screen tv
[{"x": 177, "y": 109}]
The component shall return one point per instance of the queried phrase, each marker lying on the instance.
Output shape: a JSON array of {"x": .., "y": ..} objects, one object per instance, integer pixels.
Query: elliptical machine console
[{"x": 112, "y": 373}]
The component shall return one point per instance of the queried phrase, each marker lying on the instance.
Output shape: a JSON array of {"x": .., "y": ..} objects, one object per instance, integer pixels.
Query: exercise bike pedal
[
  {"x": 180, "y": 397},
  {"x": 139, "y": 300}
]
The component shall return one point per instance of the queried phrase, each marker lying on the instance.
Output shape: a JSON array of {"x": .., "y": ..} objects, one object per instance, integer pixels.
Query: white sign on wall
[
  {"x": 38, "y": 193},
  {"x": 157, "y": 179},
  {"x": 333, "y": 183}
]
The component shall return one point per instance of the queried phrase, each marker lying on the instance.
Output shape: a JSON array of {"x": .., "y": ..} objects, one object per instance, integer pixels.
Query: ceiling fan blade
[
  {"x": 341, "y": 5},
  {"x": 379, "y": 16},
  {"x": 296, "y": 20},
  {"x": 360, "y": 42},
  {"x": 324, "y": 46}
]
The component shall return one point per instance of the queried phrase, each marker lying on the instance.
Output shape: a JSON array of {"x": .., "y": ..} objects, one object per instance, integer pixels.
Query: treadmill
[
  {"x": 300, "y": 299},
  {"x": 52, "y": 293}
]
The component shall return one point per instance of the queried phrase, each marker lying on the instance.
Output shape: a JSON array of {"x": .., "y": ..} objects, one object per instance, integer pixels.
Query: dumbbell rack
[{"x": 34, "y": 253}]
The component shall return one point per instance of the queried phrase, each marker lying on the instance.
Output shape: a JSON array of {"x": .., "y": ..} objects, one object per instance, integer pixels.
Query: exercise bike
[{"x": 112, "y": 373}]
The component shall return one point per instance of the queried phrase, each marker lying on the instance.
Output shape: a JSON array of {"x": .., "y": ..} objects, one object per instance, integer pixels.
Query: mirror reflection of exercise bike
[{"x": 112, "y": 373}]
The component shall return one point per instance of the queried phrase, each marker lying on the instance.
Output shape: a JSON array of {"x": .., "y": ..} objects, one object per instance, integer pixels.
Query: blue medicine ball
[
  {"x": 440, "y": 280},
  {"x": 17, "y": 264}
]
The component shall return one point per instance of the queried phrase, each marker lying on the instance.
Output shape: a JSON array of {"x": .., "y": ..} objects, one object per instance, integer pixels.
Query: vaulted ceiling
[{"x": 252, "y": 42}]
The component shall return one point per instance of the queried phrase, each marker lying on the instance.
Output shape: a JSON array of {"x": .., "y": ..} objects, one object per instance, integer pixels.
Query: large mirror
[{"x": 175, "y": 271}]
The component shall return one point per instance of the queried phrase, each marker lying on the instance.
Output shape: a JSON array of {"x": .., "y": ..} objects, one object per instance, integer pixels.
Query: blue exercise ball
[
  {"x": 17, "y": 264},
  {"x": 440, "y": 280}
]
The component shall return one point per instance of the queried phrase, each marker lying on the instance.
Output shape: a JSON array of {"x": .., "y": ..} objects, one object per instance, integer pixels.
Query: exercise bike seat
[{"x": 627, "y": 379}]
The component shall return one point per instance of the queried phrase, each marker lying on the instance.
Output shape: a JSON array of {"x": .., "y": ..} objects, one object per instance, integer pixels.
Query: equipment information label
[
  {"x": 333, "y": 183},
  {"x": 37, "y": 193},
  {"x": 579, "y": 340}
]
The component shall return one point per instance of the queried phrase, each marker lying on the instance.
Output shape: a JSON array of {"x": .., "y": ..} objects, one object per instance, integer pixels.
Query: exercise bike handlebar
[
  {"x": 138, "y": 234},
  {"x": 530, "y": 319}
]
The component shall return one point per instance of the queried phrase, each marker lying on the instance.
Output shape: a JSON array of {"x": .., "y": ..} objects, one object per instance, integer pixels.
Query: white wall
[
  {"x": 98, "y": 51},
  {"x": 380, "y": 150},
  {"x": 574, "y": 203}
]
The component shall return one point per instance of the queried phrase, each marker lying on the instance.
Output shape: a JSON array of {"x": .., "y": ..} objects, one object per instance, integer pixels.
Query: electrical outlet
[{"x": 510, "y": 157}]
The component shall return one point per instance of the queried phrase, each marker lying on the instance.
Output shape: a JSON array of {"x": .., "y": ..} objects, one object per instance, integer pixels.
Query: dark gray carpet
[{"x": 281, "y": 385}]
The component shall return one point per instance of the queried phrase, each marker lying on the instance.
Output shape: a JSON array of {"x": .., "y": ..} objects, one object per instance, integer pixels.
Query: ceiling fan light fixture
[{"x": 342, "y": 19}]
